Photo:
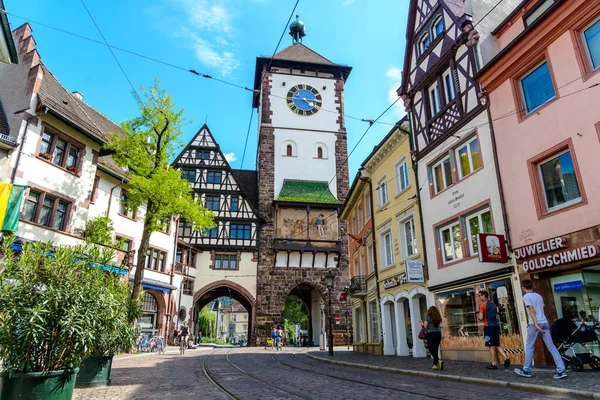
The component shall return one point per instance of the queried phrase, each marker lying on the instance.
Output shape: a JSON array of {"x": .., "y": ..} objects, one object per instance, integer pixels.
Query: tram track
[
  {"x": 353, "y": 380},
  {"x": 230, "y": 394}
]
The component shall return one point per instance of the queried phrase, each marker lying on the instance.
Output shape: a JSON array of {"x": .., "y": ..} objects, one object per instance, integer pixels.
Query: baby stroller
[{"x": 569, "y": 337}]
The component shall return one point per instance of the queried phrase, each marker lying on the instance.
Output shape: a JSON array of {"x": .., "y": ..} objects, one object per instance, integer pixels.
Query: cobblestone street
[{"x": 253, "y": 373}]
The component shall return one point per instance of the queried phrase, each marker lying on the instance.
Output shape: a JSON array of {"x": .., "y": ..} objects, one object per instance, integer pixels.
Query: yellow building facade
[{"x": 400, "y": 275}]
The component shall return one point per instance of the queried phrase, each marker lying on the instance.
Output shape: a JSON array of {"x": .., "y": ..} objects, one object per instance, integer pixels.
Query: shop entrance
[{"x": 147, "y": 322}]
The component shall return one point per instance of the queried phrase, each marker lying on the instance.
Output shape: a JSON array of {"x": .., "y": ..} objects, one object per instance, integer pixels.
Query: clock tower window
[
  {"x": 319, "y": 152},
  {"x": 288, "y": 151}
]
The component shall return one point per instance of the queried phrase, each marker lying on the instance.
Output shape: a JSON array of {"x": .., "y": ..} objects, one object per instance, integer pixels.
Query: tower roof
[{"x": 298, "y": 56}]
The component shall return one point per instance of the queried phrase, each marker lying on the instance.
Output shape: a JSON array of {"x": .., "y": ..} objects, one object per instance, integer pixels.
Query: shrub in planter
[{"x": 49, "y": 299}]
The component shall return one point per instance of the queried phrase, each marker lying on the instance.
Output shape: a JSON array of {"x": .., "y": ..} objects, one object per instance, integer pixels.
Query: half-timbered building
[
  {"x": 220, "y": 261},
  {"x": 459, "y": 186}
]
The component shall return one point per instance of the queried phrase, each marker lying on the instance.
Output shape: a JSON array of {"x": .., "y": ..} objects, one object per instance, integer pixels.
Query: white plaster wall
[
  {"x": 245, "y": 276},
  {"x": 477, "y": 188},
  {"x": 284, "y": 117},
  {"x": 304, "y": 165}
]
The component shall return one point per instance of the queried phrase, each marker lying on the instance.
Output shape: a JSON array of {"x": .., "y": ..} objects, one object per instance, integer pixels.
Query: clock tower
[{"x": 303, "y": 182}]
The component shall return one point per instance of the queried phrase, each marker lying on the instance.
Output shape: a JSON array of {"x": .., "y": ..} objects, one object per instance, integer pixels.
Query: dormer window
[
  {"x": 424, "y": 43},
  {"x": 437, "y": 28}
]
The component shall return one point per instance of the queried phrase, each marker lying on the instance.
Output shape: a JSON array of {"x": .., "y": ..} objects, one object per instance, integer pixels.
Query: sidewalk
[{"x": 584, "y": 384}]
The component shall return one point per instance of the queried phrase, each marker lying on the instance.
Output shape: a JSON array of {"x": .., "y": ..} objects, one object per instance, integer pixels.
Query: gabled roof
[
  {"x": 6, "y": 38},
  {"x": 298, "y": 56},
  {"x": 66, "y": 106},
  {"x": 295, "y": 191},
  {"x": 248, "y": 181}
]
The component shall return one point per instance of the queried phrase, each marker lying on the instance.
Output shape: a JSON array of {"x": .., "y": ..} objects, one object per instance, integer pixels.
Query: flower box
[
  {"x": 46, "y": 156},
  {"x": 73, "y": 169}
]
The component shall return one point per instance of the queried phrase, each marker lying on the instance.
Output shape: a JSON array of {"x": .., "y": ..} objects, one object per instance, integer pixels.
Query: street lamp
[
  {"x": 329, "y": 282},
  {"x": 322, "y": 338}
]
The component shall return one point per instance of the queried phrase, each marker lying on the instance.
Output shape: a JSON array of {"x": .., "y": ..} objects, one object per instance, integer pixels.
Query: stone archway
[{"x": 225, "y": 288}]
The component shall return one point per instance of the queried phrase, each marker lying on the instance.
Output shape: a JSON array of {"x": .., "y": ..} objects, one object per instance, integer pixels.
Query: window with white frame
[
  {"x": 361, "y": 221},
  {"x": 435, "y": 99},
  {"x": 468, "y": 156},
  {"x": 387, "y": 248},
  {"x": 356, "y": 265},
  {"x": 537, "y": 88},
  {"x": 361, "y": 262},
  {"x": 558, "y": 180},
  {"x": 591, "y": 39},
  {"x": 408, "y": 237},
  {"x": 402, "y": 181},
  {"x": 424, "y": 42},
  {"x": 368, "y": 206},
  {"x": 450, "y": 240},
  {"x": 442, "y": 174},
  {"x": 437, "y": 27},
  {"x": 355, "y": 224},
  {"x": 370, "y": 260},
  {"x": 382, "y": 191},
  {"x": 448, "y": 86},
  {"x": 480, "y": 222},
  {"x": 373, "y": 322}
]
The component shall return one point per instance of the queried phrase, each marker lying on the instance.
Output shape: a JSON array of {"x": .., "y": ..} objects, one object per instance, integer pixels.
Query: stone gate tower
[{"x": 303, "y": 181}]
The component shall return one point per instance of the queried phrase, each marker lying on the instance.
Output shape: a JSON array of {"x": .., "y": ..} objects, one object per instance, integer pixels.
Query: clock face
[{"x": 304, "y": 100}]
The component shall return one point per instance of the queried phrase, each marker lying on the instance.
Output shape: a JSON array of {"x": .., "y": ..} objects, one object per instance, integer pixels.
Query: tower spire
[{"x": 297, "y": 30}]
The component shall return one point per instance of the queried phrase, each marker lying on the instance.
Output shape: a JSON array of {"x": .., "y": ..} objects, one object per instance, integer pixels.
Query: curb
[{"x": 466, "y": 379}]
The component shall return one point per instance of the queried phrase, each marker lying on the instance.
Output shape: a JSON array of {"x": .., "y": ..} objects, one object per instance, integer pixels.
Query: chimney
[{"x": 78, "y": 95}]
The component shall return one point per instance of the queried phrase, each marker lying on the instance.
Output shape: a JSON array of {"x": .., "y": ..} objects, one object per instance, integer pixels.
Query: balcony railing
[{"x": 358, "y": 284}]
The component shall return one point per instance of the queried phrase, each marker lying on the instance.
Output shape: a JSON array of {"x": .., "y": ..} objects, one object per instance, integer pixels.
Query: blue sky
[{"x": 220, "y": 38}]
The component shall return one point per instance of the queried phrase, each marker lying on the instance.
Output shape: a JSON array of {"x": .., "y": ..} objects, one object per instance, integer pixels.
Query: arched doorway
[
  {"x": 389, "y": 325},
  {"x": 316, "y": 308},
  {"x": 224, "y": 288},
  {"x": 148, "y": 322}
]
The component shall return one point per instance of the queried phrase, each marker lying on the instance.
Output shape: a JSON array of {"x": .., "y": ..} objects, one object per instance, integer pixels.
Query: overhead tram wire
[{"x": 257, "y": 91}]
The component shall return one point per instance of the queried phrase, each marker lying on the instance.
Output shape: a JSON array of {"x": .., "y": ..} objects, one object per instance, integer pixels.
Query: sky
[{"x": 221, "y": 38}]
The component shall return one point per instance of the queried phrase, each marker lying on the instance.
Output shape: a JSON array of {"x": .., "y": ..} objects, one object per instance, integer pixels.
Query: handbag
[{"x": 422, "y": 334}]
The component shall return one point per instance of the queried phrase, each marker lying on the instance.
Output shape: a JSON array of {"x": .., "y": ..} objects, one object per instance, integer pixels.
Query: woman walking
[{"x": 433, "y": 335}]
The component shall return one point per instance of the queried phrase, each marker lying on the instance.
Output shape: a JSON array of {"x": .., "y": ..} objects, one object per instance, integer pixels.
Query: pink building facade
[{"x": 544, "y": 92}]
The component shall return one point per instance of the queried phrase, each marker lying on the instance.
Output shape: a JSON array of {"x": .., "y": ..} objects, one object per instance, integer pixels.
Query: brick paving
[
  {"x": 270, "y": 375},
  {"x": 587, "y": 380}
]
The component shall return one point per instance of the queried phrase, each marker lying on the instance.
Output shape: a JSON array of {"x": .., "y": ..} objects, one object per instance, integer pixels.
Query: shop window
[
  {"x": 591, "y": 39},
  {"x": 537, "y": 88},
  {"x": 188, "y": 174},
  {"x": 450, "y": 240},
  {"x": 459, "y": 309},
  {"x": 469, "y": 157},
  {"x": 402, "y": 182},
  {"x": 46, "y": 210},
  {"x": 212, "y": 202},
  {"x": 147, "y": 322},
  {"x": 382, "y": 191},
  {"x": 213, "y": 177},
  {"x": 408, "y": 237},
  {"x": 225, "y": 261},
  {"x": 373, "y": 322},
  {"x": 358, "y": 336},
  {"x": 387, "y": 249},
  {"x": 442, "y": 174},
  {"x": 559, "y": 181},
  {"x": 435, "y": 99},
  {"x": 234, "y": 203},
  {"x": 480, "y": 222},
  {"x": 437, "y": 27}
]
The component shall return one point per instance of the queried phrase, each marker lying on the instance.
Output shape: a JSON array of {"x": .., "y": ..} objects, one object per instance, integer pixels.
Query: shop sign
[
  {"x": 492, "y": 248},
  {"x": 565, "y": 286},
  {"x": 395, "y": 281},
  {"x": 541, "y": 247},
  {"x": 414, "y": 268},
  {"x": 564, "y": 257}
]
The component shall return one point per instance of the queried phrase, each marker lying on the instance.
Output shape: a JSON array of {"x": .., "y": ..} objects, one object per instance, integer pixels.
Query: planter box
[
  {"x": 94, "y": 371},
  {"x": 56, "y": 385}
]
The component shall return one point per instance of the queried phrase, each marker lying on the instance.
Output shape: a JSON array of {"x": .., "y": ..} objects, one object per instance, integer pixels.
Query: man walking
[
  {"x": 488, "y": 313},
  {"x": 538, "y": 325},
  {"x": 273, "y": 337}
]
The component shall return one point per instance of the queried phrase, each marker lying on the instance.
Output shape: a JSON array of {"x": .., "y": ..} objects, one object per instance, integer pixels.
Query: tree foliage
[
  {"x": 204, "y": 318},
  {"x": 145, "y": 148},
  {"x": 295, "y": 313},
  {"x": 98, "y": 230}
]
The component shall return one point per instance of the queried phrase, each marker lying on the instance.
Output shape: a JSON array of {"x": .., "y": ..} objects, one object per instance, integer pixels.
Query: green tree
[
  {"x": 295, "y": 313},
  {"x": 204, "y": 319},
  {"x": 145, "y": 149},
  {"x": 98, "y": 230}
]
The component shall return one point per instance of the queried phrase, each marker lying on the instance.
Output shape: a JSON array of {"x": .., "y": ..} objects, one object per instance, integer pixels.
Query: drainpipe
[
  {"x": 375, "y": 269},
  {"x": 110, "y": 196},
  {"x": 14, "y": 173},
  {"x": 486, "y": 99}
]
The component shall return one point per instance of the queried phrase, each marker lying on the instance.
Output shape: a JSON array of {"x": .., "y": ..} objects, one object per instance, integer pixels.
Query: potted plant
[
  {"x": 112, "y": 331},
  {"x": 73, "y": 169},
  {"x": 48, "y": 297},
  {"x": 46, "y": 156}
]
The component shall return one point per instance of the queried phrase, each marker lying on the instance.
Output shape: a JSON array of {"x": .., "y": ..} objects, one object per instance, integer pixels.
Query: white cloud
[
  {"x": 394, "y": 76},
  {"x": 207, "y": 29},
  {"x": 230, "y": 157},
  {"x": 347, "y": 2}
]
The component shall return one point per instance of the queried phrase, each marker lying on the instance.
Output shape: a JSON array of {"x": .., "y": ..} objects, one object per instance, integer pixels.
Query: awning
[
  {"x": 162, "y": 289},
  {"x": 155, "y": 285}
]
